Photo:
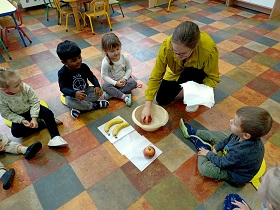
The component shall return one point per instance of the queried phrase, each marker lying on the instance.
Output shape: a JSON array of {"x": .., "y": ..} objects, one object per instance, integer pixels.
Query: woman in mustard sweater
[{"x": 187, "y": 55}]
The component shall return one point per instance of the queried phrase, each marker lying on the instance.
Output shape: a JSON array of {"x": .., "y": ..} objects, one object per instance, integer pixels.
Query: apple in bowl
[{"x": 149, "y": 152}]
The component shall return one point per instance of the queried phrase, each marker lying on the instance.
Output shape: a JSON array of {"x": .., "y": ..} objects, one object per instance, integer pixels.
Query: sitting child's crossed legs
[
  {"x": 90, "y": 103},
  {"x": 210, "y": 170}
]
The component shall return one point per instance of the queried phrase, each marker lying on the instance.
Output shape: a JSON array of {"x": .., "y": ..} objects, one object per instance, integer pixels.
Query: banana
[
  {"x": 119, "y": 127},
  {"x": 110, "y": 123}
]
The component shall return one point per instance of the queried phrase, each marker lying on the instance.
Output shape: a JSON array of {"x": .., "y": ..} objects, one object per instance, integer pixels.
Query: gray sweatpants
[
  {"x": 85, "y": 104},
  {"x": 118, "y": 92},
  {"x": 205, "y": 167}
]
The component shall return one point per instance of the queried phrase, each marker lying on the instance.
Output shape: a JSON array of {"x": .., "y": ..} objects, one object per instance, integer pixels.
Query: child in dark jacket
[
  {"x": 241, "y": 153},
  {"x": 73, "y": 81}
]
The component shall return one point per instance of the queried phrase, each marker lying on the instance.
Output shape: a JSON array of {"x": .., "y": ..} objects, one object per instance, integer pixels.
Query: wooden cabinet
[{"x": 271, "y": 7}]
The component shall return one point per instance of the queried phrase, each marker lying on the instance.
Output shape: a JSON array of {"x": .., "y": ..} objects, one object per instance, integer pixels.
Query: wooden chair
[
  {"x": 50, "y": 5},
  {"x": 114, "y": 2},
  {"x": 97, "y": 8},
  {"x": 8, "y": 23},
  {"x": 169, "y": 2},
  {"x": 64, "y": 11}
]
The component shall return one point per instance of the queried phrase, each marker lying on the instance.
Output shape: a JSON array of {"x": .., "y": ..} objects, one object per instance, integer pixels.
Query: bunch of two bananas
[{"x": 116, "y": 130}]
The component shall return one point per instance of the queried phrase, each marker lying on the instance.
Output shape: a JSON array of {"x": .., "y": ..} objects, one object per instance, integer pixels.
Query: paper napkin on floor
[{"x": 198, "y": 94}]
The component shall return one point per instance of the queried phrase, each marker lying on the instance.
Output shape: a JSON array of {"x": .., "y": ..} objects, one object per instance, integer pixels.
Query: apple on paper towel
[{"x": 149, "y": 152}]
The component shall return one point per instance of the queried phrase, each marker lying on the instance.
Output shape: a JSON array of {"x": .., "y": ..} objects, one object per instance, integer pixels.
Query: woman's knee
[{"x": 162, "y": 101}]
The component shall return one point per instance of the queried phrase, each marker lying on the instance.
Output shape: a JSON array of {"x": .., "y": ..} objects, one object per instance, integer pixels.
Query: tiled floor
[{"x": 91, "y": 173}]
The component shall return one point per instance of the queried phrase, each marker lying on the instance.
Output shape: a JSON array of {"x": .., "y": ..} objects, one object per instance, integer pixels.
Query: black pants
[
  {"x": 168, "y": 90},
  {"x": 19, "y": 130}
]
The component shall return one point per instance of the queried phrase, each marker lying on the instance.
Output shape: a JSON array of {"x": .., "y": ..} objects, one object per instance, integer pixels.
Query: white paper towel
[{"x": 198, "y": 94}]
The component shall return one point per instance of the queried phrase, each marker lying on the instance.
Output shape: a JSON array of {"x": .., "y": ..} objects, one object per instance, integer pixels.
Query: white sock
[
  {"x": 23, "y": 149},
  {"x": 2, "y": 171}
]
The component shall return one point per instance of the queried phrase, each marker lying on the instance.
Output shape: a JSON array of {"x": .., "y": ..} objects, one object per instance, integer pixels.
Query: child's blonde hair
[
  {"x": 269, "y": 190},
  {"x": 109, "y": 42},
  {"x": 6, "y": 76}
]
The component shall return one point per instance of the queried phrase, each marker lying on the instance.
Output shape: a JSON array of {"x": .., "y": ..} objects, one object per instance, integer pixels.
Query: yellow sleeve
[
  {"x": 157, "y": 73},
  {"x": 211, "y": 69}
]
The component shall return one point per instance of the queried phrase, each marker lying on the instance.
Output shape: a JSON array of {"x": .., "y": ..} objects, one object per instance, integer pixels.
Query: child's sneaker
[
  {"x": 231, "y": 198},
  {"x": 198, "y": 142},
  {"x": 187, "y": 129},
  {"x": 57, "y": 141},
  {"x": 106, "y": 96},
  {"x": 128, "y": 100},
  {"x": 33, "y": 149},
  {"x": 100, "y": 104},
  {"x": 57, "y": 121},
  {"x": 191, "y": 109},
  {"x": 75, "y": 113},
  {"x": 7, "y": 179}
]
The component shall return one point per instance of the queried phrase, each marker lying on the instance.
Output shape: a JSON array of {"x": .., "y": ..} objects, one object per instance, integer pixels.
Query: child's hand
[
  {"x": 34, "y": 123},
  {"x": 2, "y": 148},
  {"x": 26, "y": 123},
  {"x": 119, "y": 84},
  {"x": 80, "y": 95},
  {"x": 123, "y": 81},
  {"x": 98, "y": 91},
  {"x": 242, "y": 206},
  {"x": 202, "y": 151},
  {"x": 214, "y": 151}
]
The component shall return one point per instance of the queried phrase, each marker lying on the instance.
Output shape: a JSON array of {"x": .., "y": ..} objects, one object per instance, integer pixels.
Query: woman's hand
[
  {"x": 80, "y": 95},
  {"x": 146, "y": 117},
  {"x": 242, "y": 206},
  {"x": 98, "y": 91}
]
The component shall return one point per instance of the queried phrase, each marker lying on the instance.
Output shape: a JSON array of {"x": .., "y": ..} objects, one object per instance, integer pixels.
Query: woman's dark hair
[
  {"x": 186, "y": 33},
  {"x": 67, "y": 50}
]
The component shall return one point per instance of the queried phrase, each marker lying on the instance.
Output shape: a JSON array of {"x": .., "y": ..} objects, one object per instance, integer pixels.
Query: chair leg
[
  {"x": 112, "y": 8},
  {"x": 121, "y": 9},
  {"x": 108, "y": 19},
  {"x": 91, "y": 26},
  {"x": 22, "y": 31},
  {"x": 47, "y": 13},
  {"x": 156, "y": 2},
  {"x": 185, "y": 3},
  {"x": 6, "y": 38},
  {"x": 169, "y": 3},
  {"x": 66, "y": 17},
  {"x": 4, "y": 47},
  {"x": 60, "y": 18}
]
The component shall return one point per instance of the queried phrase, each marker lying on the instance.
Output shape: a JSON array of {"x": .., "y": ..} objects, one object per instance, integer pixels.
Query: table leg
[
  {"x": 20, "y": 34},
  {"x": 76, "y": 14}
]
